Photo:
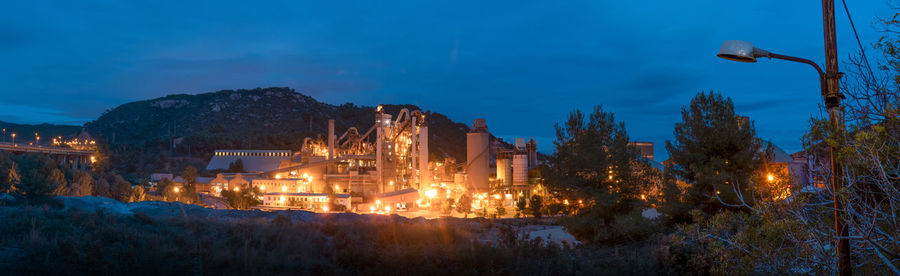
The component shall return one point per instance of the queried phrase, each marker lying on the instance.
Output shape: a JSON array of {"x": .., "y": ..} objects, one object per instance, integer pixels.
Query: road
[{"x": 214, "y": 202}]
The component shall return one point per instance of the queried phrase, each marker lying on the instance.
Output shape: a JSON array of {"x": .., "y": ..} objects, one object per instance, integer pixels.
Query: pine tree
[
  {"x": 715, "y": 151},
  {"x": 190, "y": 184},
  {"x": 120, "y": 188},
  {"x": 464, "y": 205},
  {"x": 593, "y": 160},
  {"x": 13, "y": 180},
  {"x": 535, "y": 204},
  {"x": 57, "y": 180},
  {"x": 521, "y": 204},
  {"x": 137, "y": 194}
]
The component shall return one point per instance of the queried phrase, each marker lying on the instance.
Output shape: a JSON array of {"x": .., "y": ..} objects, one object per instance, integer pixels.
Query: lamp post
[
  {"x": 14, "y": 138},
  {"x": 830, "y": 85}
]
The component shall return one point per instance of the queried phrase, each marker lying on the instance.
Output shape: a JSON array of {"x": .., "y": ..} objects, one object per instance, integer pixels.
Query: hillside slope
[{"x": 264, "y": 118}]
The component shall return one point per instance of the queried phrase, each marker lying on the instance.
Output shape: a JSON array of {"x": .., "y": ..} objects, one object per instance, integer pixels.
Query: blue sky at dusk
[{"x": 522, "y": 65}]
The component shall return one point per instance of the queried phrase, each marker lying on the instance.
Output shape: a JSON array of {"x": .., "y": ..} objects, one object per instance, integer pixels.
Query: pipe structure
[{"x": 331, "y": 139}]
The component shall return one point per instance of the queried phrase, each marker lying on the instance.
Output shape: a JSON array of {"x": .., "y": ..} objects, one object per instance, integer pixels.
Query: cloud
[
  {"x": 521, "y": 65},
  {"x": 35, "y": 115}
]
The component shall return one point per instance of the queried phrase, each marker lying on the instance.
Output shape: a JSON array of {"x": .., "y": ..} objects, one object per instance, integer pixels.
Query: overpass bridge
[{"x": 79, "y": 159}]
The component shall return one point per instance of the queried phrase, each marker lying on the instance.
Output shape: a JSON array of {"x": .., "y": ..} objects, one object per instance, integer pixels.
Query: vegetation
[
  {"x": 245, "y": 198},
  {"x": 521, "y": 204},
  {"x": 716, "y": 152},
  {"x": 593, "y": 160},
  {"x": 869, "y": 150},
  {"x": 190, "y": 184},
  {"x": 501, "y": 211},
  {"x": 49, "y": 241},
  {"x": 36, "y": 177},
  {"x": 534, "y": 203},
  {"x": 464, "y": 205},
  {"x": 719, "y": 215}
]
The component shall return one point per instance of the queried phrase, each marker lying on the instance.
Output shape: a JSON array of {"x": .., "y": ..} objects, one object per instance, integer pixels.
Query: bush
[{"x": 50, "y": 242}]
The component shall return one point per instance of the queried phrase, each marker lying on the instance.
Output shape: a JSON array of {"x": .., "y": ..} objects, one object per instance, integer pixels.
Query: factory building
[
  {"x": 306, "y": 201},
  {"x": 391, "y": 156},
  {"x": 254, "y": 161},
  {"x": 227, "y": 181},
  {"x": 517, "y": 172},
  {"x": 286, "y": 185},
  {"x": 386, "y": 168},
  {"x": 645, "y": 149}
]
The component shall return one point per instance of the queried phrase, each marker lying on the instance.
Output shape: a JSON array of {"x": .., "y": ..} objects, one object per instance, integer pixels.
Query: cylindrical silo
[
  {"x": 504, "y": 170},
  {"x": 478, "y": 155},
  {"x": 520, "y": 168}
]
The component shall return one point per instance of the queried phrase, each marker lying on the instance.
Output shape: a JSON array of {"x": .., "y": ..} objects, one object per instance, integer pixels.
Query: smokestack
[
  {"x": 424, "y": 173},
  {"x": 330, "y": 139},
  {"x": 531, "y": 148}
]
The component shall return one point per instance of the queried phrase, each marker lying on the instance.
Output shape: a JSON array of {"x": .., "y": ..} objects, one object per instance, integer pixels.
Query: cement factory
[{"x": 383, "y": 169}]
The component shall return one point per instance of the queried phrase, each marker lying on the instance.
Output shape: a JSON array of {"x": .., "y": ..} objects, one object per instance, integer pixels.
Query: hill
[
  {"x": 25, "y": 133},
  {"x": 168, "y": 133}
]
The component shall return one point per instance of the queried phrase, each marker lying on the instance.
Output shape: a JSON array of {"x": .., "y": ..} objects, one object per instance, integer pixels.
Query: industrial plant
[{"x": 385, "y": 168}]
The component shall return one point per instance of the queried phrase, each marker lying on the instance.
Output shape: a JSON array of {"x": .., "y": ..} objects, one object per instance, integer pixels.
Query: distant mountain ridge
[
  {"x": 261, "y": 118},
  {"x": 25, "y": 132}
]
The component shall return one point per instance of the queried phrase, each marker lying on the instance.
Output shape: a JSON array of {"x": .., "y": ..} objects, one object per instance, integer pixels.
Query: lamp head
[{"x": 742, "y": 51}]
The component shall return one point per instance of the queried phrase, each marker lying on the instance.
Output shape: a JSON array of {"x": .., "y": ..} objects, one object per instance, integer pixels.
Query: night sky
[{"x": 521, "y": 65}]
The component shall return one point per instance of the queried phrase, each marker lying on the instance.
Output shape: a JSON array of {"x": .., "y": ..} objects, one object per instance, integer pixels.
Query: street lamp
[
  {"x": 743, "y": 51},
  {"x": 14, "y": 138}
]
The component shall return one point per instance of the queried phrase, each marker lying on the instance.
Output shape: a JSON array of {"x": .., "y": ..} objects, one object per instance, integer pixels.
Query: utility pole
[{"x": 835, "y": 118}]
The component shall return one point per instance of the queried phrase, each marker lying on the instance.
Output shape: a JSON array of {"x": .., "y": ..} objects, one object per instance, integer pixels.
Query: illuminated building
[
  {"x": 644, "y": 148},
  {"x": 254, "y": 161},
  {"x": 308, "y": 201}
]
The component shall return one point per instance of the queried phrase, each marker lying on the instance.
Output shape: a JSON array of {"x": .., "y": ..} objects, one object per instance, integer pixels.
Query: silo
[
  {"x": 504, "y": 169},
  {"x": 520, "y": 168},
  {"x": 478, "y": 155}
]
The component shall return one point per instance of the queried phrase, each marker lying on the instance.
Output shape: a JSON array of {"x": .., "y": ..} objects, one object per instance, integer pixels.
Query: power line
[{"x": 858, "y": 42}]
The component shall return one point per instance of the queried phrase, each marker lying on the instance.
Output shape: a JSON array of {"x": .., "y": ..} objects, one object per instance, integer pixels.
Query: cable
[{"x": 858, "y": 42}]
